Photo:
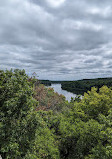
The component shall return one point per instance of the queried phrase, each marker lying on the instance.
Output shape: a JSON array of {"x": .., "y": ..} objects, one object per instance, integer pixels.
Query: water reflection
[{"x": 57, "y": 88}]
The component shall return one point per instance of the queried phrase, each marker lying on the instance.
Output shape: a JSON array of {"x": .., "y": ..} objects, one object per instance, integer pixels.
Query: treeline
[
  {"x": 81, "y": 86},
  {"x": 37, "y": 123},
  {"x": 48, "y": 83},
  {"x": 45, "y": 82}
]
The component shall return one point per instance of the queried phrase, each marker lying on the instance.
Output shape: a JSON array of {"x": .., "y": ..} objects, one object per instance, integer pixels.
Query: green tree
[{"x": 23, "y": 132}]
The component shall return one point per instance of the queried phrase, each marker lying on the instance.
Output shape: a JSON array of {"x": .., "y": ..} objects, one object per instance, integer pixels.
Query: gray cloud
[{"x": 63, "y": 40}]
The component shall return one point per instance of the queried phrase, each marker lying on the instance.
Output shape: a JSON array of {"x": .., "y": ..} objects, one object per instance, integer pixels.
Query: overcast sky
[{"x": 57, "y": 39}]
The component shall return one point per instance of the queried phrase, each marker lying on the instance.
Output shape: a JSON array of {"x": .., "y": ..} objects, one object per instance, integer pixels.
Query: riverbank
[{"x": 57, "y": 88}]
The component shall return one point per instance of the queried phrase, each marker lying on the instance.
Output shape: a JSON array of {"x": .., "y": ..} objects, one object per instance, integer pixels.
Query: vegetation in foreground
[{"x": 36, "y": 123}]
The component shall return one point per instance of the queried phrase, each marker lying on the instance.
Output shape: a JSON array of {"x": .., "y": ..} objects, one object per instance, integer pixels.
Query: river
[{"x": 57, "y": 88}]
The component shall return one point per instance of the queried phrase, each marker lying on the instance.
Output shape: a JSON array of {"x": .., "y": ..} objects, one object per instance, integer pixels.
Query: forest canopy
[{"x": 81, "y": 86}]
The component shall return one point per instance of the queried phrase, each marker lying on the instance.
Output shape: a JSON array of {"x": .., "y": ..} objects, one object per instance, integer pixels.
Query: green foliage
[
  {"x": 23, "y": 133},
  {"x": 16, "y": 107},
  {"x": 37, "y": 123},
  {"x": 95, "y": 103},
  {"x": 86, "y": 131}
]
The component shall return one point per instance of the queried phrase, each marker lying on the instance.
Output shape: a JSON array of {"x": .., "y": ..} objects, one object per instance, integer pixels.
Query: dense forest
[
  {"x": 81, "y": 86},
  {"x": 48, "y": 82},
  {"x": 45, "y": 82},
  {"x": 37, "y": 123}
]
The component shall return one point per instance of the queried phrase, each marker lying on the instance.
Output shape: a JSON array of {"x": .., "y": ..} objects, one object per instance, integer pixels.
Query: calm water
[{"x": 57, "y": 88}]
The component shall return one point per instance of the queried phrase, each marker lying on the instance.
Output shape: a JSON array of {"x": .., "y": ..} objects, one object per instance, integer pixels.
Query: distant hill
[{"x": 81, "y": 86}]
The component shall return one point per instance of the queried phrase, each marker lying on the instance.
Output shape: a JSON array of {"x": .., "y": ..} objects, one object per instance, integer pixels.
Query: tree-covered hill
[
  {"x": 81, "y": 86},
  {"x": 36, "y": 123}
]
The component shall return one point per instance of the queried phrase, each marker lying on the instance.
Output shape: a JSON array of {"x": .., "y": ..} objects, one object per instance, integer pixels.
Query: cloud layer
[{"x": 59, "y": 40}]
